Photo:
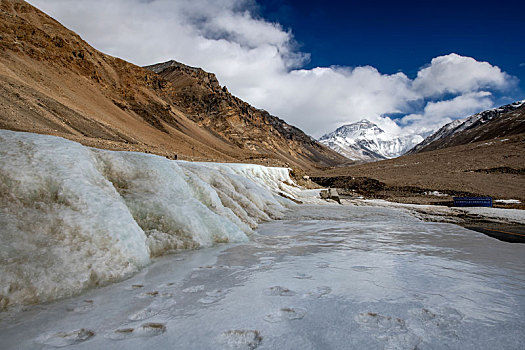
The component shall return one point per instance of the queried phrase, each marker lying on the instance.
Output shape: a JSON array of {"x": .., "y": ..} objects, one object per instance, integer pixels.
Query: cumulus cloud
[
  {"x": 457, "y": 74},
  {"x": 435, "y": 114},
  {"x": 259, "y": 62}
]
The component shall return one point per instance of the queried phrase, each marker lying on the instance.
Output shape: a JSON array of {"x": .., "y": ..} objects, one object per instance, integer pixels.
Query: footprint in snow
[
  {"x": 154, "y": 294},
  {"x": 375, "y": 320},
  {"x": 279, "y": 291},
  {"x": 61, "y": 339},
  {"x": 143, "y": 314},
  {"x": 442, "y": 320},
  {"x": 287, "y": 313},
  {"x": 145, "y": 330},
  {"x": 81, "y": 306},
  {"x": 213, "y": 296},
  {"x": 319, "y": 292},
  {"x": 362, "y": 268},
  {"x": 193, "y": 289},
  {"x": 391, "y": 330},
  {"x": 153, "y": 309},
  {"x": 240, "y": 339},
  {"x": 134, "y": 287}
]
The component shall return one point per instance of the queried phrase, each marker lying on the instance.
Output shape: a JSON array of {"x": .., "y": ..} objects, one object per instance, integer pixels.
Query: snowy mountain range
[
  {"x": 492, "y": 123},
  {"x": 365, "y": 141}
]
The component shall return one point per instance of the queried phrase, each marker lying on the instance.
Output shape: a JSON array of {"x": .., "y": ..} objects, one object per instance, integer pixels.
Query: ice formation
[{"x": 74, "y": 217}]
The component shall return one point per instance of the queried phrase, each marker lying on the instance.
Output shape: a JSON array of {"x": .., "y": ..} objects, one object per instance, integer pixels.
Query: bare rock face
[{"x": 201, "y": 96}]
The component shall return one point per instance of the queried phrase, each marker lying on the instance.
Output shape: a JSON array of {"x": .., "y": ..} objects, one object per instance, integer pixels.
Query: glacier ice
[{"x": 75, "y": 217}]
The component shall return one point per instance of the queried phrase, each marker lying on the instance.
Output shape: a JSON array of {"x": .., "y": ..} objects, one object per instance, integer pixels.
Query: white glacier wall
[{"x": 73, "y": 217}]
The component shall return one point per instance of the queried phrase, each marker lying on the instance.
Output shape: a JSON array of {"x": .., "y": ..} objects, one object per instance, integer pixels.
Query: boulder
[
  {"x": 330, "y": 193},
  {"x": 334, "y": 195}
]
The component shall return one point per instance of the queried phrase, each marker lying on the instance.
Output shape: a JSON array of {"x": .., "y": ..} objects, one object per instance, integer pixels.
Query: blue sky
[
  {"x": 405, "y": 35},
  {"x": 409, "y": 67}
]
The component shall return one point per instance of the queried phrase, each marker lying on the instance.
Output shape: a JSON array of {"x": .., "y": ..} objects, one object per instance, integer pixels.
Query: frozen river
[{"x": 326, "y": 277}]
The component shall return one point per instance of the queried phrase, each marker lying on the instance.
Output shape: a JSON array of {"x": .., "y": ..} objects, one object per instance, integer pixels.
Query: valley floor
[
  {"x": 494, "y": 168},
  {"x": 324, "y": 277}
]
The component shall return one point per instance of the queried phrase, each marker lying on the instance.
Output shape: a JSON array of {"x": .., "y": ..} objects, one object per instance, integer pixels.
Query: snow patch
[
  {"x": 508, "y": 201},
  {"x": 435, "y": 194}
]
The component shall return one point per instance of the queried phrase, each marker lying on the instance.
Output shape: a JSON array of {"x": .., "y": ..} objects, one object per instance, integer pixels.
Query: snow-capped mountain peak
[
  {"x": 362, "y": 128},
  {"x": 366, "y": 141}
]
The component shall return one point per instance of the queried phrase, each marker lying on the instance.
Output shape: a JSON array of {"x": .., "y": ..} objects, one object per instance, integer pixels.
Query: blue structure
[{"x": 473, "y": 201}]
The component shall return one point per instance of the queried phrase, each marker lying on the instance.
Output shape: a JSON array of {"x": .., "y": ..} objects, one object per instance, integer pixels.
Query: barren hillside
[{"x": 53, "y": 82}]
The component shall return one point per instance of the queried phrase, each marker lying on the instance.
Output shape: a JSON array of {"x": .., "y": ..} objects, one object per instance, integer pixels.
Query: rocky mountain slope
[
  {"x": 52, "y": 82},
  {"x": 365, "y": 141},
  {"x": 490, "y": 124},
  {"x": 200, "y": 96}
]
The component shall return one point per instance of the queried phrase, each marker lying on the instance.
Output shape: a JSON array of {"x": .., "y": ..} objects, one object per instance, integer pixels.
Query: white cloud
[
  {"x": 458, "y": 74},
  {"x": 436, "y": 114},
  {"x": 259, "y": 62}
]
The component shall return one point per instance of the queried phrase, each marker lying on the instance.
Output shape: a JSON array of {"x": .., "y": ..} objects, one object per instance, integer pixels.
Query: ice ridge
[{"x": 74, "y": 217}]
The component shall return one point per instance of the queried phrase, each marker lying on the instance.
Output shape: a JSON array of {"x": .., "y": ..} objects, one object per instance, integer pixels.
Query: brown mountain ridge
[
  {"x": 53, "y": 82},
  {"x": 493, "y": 123}
]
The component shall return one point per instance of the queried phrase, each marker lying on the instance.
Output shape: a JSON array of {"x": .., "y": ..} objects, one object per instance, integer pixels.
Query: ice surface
[
  {"x": 74, "y": 217},
  {"x": 391, "y": 281},
  {"x": 503, "y": 215}
]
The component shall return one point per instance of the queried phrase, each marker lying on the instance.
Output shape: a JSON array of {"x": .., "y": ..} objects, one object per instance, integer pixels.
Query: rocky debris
[
  {"x": 500, "y": 170},
  {"x": 299, "y": 177},
  {"x": 362, "y": 185}
]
